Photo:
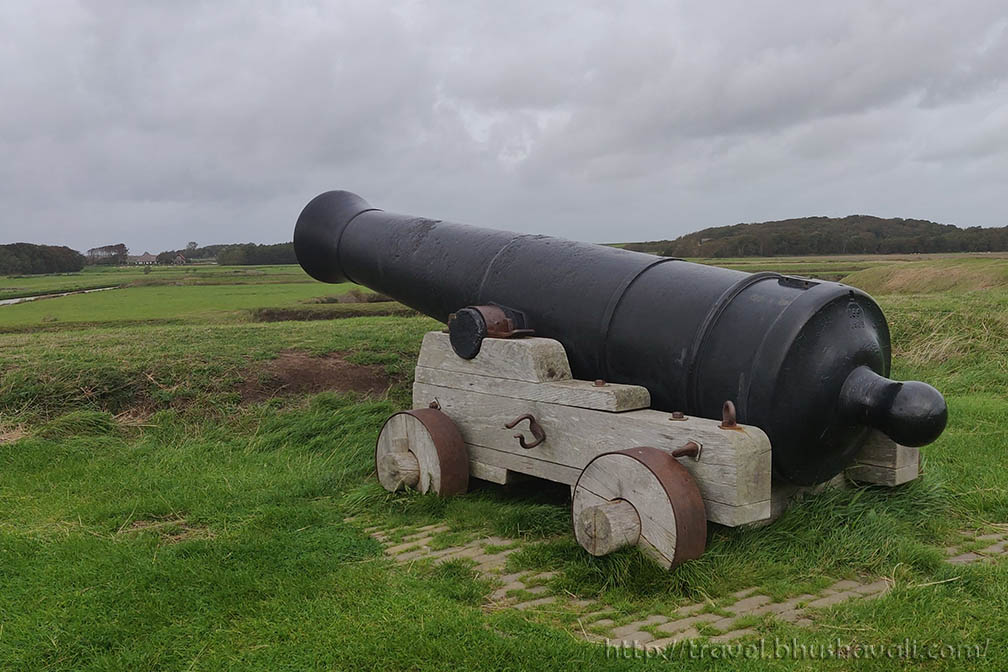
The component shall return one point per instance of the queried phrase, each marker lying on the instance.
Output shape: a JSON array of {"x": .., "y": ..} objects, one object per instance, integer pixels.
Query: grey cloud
[{"x": 156, "y": 124}]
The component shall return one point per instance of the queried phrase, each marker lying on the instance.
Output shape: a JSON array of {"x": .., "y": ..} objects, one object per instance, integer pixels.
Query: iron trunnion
[{"x": 807, "y": 361}]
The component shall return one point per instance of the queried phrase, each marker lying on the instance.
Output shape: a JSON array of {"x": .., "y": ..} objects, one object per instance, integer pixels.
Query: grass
[
  {"x": 199, "y": 303},
  {"x": 177, "y": 295},
  {"x": 955, "y": 275},
  {"x": 152, "y": 519},
  {"x": 886, "y": 274},
  {"x": 94, "y": 277}
]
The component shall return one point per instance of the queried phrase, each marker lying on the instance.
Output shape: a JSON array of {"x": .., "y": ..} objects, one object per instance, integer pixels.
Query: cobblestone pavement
[{"x": 729, "y": 619}]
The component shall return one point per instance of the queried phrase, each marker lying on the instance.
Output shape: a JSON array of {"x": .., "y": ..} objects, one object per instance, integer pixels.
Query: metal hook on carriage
[{"x": 534, "y": 427}]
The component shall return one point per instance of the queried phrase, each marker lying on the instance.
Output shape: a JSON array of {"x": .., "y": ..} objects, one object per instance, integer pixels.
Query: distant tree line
[
  {"x": 252, "y": 254},
  {"x": 242, "y": 254},
  {"x": 855, "y": 234},
  {"x": 26, "y": 258}
]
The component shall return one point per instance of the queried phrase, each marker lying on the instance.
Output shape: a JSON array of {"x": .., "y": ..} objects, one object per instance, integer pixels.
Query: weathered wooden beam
[
  {"x": 536, "y": 360},
  {"x": 882, "y": 461},
  {"x": 494, "y": 474},
  {"x": 580, "y": 393},
  {"x": 517, "y": 463},
  {"x": 876, "y": 475}
]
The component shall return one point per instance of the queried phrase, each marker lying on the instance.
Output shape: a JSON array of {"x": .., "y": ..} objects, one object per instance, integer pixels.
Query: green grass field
[
  {"x": 153, "y": 517},
  {"x": 105, "y": 276}
]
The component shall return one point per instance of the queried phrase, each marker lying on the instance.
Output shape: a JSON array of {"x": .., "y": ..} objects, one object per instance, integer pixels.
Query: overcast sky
[{"x": 218, "y": 121}]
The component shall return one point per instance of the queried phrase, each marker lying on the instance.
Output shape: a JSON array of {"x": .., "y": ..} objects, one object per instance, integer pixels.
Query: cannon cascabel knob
[{"x": 911, "y": 413}]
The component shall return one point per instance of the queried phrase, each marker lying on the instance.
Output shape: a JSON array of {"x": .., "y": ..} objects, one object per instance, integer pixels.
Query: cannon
[{"x": 743, "y": 361}]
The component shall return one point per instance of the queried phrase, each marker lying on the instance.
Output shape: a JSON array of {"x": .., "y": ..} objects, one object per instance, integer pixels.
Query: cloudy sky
[{"x": 158, "y": 123}]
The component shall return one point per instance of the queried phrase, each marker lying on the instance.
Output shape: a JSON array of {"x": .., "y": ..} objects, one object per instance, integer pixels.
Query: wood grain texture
[
  {"x": 617, "y": 476},
  {"x": 397, "y": 471},
  {"x": 580, "y": 393},
  {"x": 522, "y": 464},
  {"x": 882, "y": 461},
  {"x": 733, "y": 473},
  {"x": 882, "y": 451},
  {"x": 876, "y": 475},
  {"x": 605, "y": 528},
  {"x": 535, "y": 360},
  {"x": 489, "y": 472},
  {"x": 402, "y": 432}
]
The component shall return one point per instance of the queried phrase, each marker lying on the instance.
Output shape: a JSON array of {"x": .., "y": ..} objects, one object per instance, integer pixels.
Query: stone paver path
[
  {"x": 994, "y": 544},
  {"x": 721, "y": 622}
]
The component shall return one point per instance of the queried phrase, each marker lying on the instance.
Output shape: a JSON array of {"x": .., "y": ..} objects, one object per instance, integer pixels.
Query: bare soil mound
[{"x": 295, "y": 372}]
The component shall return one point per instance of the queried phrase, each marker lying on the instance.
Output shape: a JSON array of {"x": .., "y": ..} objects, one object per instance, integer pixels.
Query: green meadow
[
  {"x": 157, "y": 515},
  {"x": 111, "y": 276}
]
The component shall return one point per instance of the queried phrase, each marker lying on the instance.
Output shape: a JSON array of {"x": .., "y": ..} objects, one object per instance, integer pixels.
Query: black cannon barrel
[{"x": 804, "y": 360}]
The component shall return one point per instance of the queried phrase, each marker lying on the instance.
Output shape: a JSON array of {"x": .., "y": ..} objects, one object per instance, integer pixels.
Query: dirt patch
[
  {"x": 329, "y": 311},
  {"x": 171, "y": 529},
  {"x": 352, "y": 296},
  {"x": 11, "y": 435},
  {"x": 301, "y": 373}
]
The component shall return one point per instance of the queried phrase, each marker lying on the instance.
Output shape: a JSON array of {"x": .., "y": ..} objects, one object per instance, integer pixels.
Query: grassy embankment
[
  {"x": 150, "y": 517},
  {"x": 94, "y": 277},
  {"x": 175, "y": 295}
]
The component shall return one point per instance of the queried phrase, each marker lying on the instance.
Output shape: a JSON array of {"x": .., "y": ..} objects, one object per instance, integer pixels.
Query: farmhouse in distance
[{"x": 145, "y": 259}]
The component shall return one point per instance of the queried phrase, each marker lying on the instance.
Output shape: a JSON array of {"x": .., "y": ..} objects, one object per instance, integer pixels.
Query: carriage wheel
[
  {"x": 423, "y": 450},
  {"x": 642, "y": 497}
]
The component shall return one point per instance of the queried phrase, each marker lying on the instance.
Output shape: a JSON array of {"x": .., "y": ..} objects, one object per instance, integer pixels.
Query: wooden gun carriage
[{"x": 638, "y": 476}]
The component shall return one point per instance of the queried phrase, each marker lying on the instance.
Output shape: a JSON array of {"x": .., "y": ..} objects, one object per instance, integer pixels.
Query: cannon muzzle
[{"x": 805, "y": 360}]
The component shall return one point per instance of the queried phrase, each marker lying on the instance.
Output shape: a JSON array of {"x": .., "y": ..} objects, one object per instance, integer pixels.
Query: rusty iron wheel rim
[
  {"x": 681, "y": 489},
  {"x": 453, "y": 459}
]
